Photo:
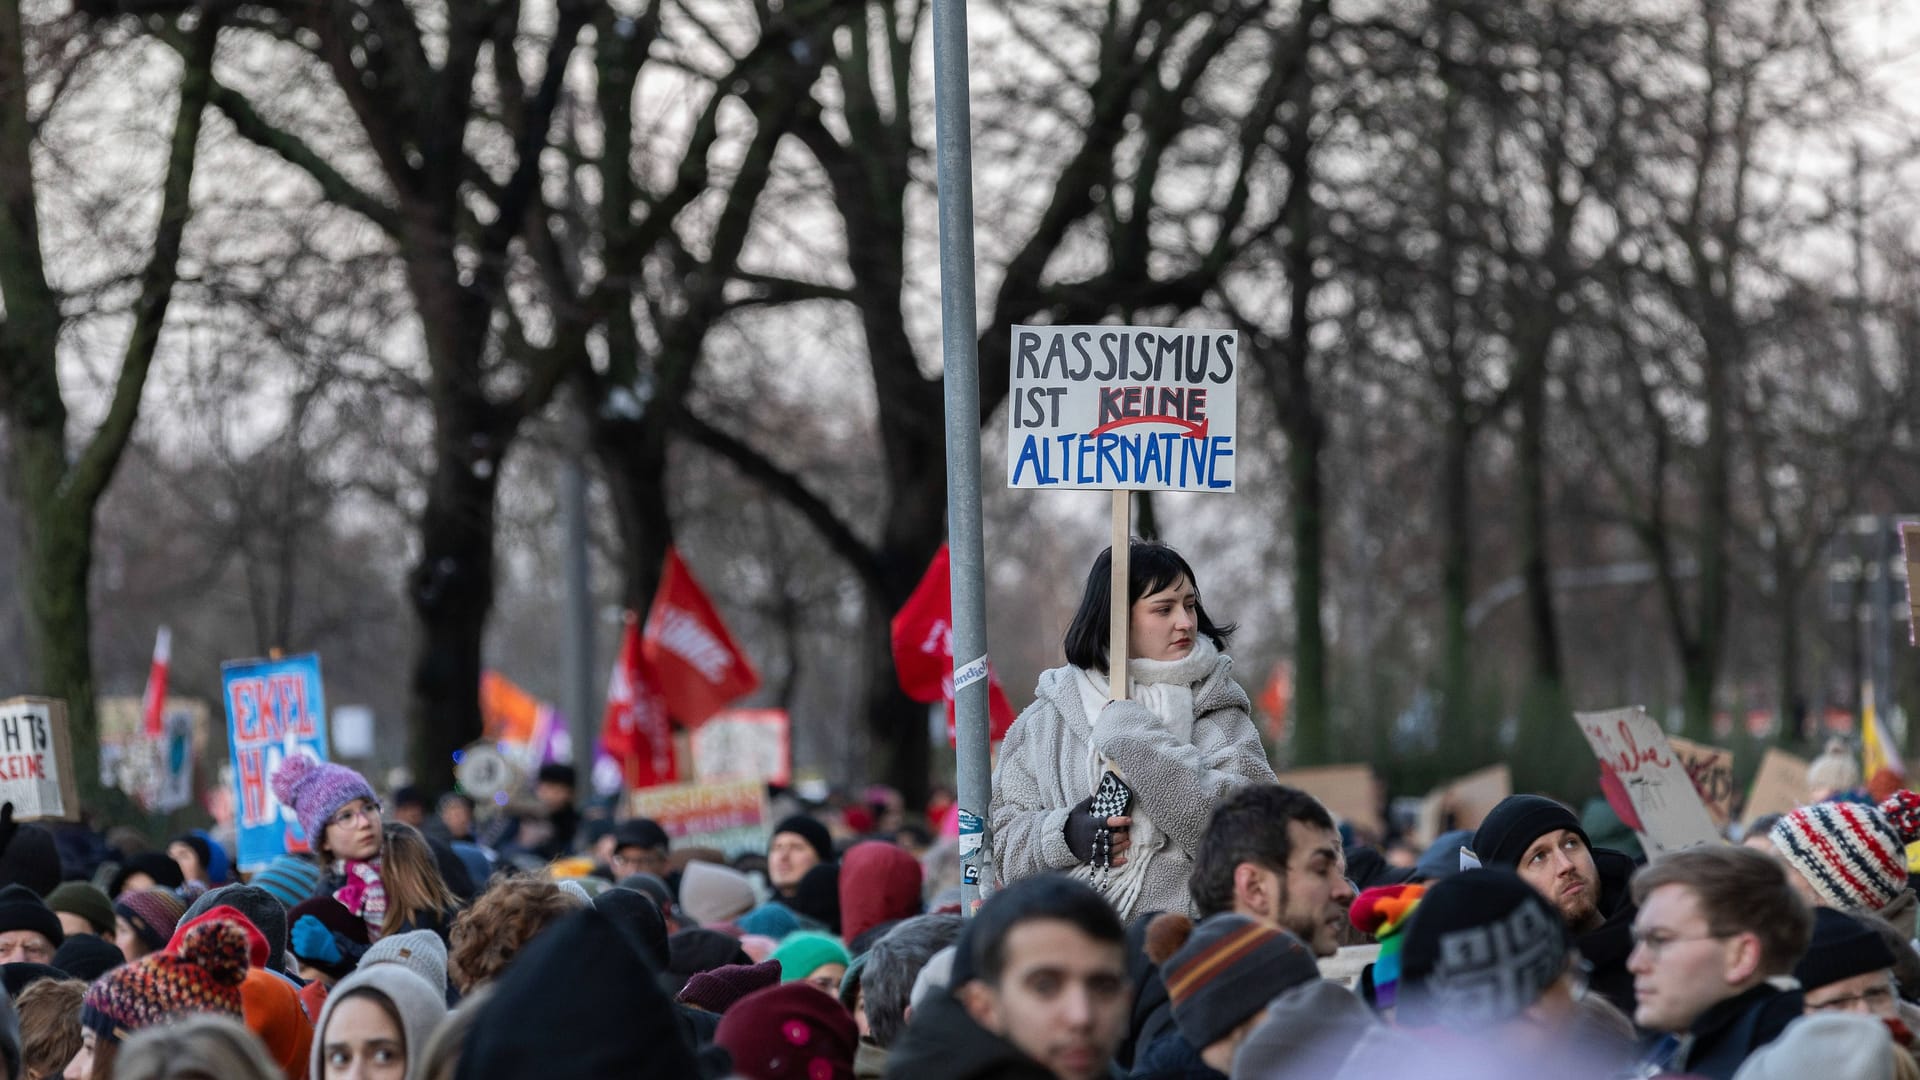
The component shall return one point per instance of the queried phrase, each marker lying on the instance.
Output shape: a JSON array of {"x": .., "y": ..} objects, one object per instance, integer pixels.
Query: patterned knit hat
[
  {"x": 203, "y": 977},
  {"x": 316, "y": 790},
  {"x": 153, "y": 913},
  {"x": 1853, "y": 855},
  {"x": 716, "y": 990},
  {"x": 290, "y": 879},
  {"x": 1481, "y": 948},
  {"x": 1229, "y": 968},
  {"x": 1383, "y": 912}
]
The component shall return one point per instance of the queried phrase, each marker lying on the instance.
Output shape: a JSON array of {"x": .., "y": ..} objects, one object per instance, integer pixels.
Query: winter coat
[
  {"x": 1043, "y": 773},
  {"x": 1728, "y": 1033},
  {"x": 1172, "y": 1057},
  {"x": 942, "y": 1042},
  {"x": 1608, "y": 947}
]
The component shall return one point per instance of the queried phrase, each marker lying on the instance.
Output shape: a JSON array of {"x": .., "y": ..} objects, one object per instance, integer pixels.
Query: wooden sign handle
[{"x": 1120, "y": 610}]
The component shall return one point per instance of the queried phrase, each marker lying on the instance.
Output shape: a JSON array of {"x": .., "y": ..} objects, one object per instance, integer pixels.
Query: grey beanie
[
  {"x": 262, "y": 909},
  {"x": 933, "y": 978},
  {"x": 1228, "y": 970},
  {"x": 421, "y": 1009},
  {"x": 1308, "y": 1031},
  {"x": 711, "y": 893},
  {"x": 419, "y": 951},
  {"x": 1836, "y": 1046}
]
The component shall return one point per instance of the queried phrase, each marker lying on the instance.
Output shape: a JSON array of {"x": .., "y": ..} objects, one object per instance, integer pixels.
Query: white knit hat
[{"x": 419, "y": 951}]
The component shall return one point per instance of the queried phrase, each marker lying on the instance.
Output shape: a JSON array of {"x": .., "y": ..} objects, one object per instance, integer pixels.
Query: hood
[
  {"x": 420, "y": 1005},
  {"x": 878, "y": 883},
  {"x": 943, "y": 1043}
]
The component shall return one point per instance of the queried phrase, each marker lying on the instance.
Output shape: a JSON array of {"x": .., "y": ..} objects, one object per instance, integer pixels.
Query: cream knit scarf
[{"x": 1166, "y": 688}]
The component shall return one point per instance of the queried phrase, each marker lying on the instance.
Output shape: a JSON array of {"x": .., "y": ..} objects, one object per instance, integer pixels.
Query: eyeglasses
[
  {"x": 1874, "y": 1000},
  {"x": 351, "y": 814},
  {"x": 1657, "y": 941}
]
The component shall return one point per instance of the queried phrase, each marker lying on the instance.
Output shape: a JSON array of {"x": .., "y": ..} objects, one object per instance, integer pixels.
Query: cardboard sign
[
  {"x": 744, "y": 744},
  {"x": 1468, "y": 799},
  {"x": 275, "y": 709},
  {"x": 36, "y": 761},
  {"x": 731, "y": 816},
  {"x": 1778, "y": 787},
  {"x": 1347, "y": 790},
  {"x": 156, "y": 773},
  {"x": 1137, "y": 408},
  {"x": 1712, "y": 771},
  {"x": 1634, "y": 751}
]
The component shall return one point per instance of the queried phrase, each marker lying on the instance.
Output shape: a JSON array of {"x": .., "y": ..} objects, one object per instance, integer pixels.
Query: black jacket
[
  {"x": 1172, "y": 1057},
  {"x": 1723, "y": 1037},
  {"x": 942, "y": 1042},
  {"x": 1608, "y": 947}
]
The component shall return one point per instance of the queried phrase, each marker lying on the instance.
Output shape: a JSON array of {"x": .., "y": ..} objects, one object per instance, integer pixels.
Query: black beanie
[
  {"x": 17, "y": 977},
  {"x": 638, "y": 917},
  {"x": 1518, "y": 821},
  {"x": 1481, "y": 948},
  {"x": 200, "y": 850},
  {"x": 817, "y": 897},
  {"x": 814, "y": 833},
  {"x": 86, "y": 957},
  {"x": 22, "y": 909},
  {"x": 163, "y": 870},
  {"x": 1842, "y": 947},
  {"x": 32, "y": 859}
]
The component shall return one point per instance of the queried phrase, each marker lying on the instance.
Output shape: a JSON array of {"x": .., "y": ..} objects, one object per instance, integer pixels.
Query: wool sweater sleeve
[
  {"x": 1176, "y": 783},
  {"x": 1029, "y": 836}
]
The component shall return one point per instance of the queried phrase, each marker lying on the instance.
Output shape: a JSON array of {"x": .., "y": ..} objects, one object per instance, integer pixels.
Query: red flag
[
  {"x": 635, "y": 730},
  {"x": 695, "y": 663},
  {"x": 923, "y": 649},
  {"x": 154, "y": 701}
]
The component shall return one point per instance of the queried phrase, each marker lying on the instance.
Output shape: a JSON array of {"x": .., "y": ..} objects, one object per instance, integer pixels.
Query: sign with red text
[
  {"x": 1636, "y": 759},
  {"x": 1711, "y": 768},
  {"x": 745, "y": 744},
  {"x": 730, "y": 817},
  {"x": 1140, "y": 408},
  {"x": 275, "y": 709},
  {"x": 36, "y": 761}
]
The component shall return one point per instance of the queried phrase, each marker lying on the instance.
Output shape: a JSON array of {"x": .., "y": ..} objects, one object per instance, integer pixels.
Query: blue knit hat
[{"x": 290, "y": 879}]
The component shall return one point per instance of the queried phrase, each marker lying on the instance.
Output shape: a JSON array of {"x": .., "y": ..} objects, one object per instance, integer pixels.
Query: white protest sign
[
  {"x": 36, "y": 763},
  {"x": 1138, "y": 408},
  {"x": 1634, "y": 751},
  {"x": 744, "y": 744}
]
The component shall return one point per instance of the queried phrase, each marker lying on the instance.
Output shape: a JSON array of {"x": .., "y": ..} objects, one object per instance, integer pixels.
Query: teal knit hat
[{"x": 802, "y": 954}]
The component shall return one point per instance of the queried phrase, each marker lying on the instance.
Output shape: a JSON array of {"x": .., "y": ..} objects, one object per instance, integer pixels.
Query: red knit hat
[
  {"x": 257, "y": 954},
  {"x": 202, "y": 975},
  {"x": 879, "y": 882},
  {"x": 717, "y": 990},
  {"x": 789, "y": 1031}
]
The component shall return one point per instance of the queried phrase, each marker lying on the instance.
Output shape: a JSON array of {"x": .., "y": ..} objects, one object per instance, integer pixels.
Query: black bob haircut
[
  {"x": 1151, "y": 566},
  {"x": 1042, "y": 896}
]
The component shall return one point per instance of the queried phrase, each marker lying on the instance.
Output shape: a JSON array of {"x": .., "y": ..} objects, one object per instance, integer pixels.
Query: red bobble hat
[{"x": 792, "y": 1031}]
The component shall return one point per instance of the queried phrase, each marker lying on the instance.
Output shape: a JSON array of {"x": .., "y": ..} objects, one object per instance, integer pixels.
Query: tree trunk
[{"x": 635, "y": 458}]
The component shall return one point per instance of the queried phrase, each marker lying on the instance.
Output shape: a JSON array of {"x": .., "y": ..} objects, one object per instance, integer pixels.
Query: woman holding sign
[{"x": 1118, "y": 793}]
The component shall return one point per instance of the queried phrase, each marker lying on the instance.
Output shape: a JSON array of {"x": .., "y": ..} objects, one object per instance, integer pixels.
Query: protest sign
[
  {"x": 36, "y": 761},
  {"x": 1634, "y": 754},
  {"x": 744, "y": 744},
  {"x": 1462, "y": 803},
  {"x": 1350, "y": 791},
  {"x": 275, "y": 709},
  {"x": 1144, "y": 408},
  {"x": 1712, "y": 771},
  {"x": 730, "y": 816},
  {"x": 157, "y": 773},
  {"x": 1778, "y": 787}
]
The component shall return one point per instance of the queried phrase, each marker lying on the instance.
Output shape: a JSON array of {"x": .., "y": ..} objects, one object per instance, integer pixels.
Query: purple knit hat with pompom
[{"x": 316, "y": 790}]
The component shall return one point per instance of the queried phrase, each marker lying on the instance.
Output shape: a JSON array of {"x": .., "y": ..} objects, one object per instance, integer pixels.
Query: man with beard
[
  {"x": 1272, "y": 853},
  {"x": 1542, "y": 842}
]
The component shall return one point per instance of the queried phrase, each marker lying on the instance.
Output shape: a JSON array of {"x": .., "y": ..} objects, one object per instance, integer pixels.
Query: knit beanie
[
  {"x": 326, "y": 936},
  {"x": 933, "y": 979},
  {"x": 1853, "y": 855},
  {"x": 879, "y": 882},
  {"x": 715, "y": 991},
  {"x": 271, "y": 1009},
  {"x": 1835, "y": 1046},
  {"x": 817, "y": 897},
  {"x": 789, "y": 1031},
  {"x": 691, "y": 952},
  {"x": 1228, "y": 969},
  {"x": 259, "y": 953},
  {"x": 21, "y": 974},
  {"x": 86, "y": 957},
  {"x": 164, "y": 872},
  {"x": 419, "y": 951},
  {"x": 219, "y": 867},
  {"x": 801, "y": 955},
  {"x": 652, "y": 887},
  {"x": 22, "y": 909},
  {"x": 86, "y": 901},
  {"x": 202, "y": 851},
  {"x": 1384, "y": 912},
  {"x": 289, "y": 879},
  {"x": 153, "y": 913},
  {"x": 810, "y": 830},
  {"x": 1481, "y": 948},
  {"x": 712, "y": 893},
  {"x": 1310, "y": 1031},
  {"x": 204, "y": 976},
  {"x": 262, "y": 910},
  {"x": 1517, "y": 821},
  {"x": 773, "y": 919},
  {"x": 420, "y": 1006},
  {"x": 316, "y": 790},
  {"x": 28, "y": 854},
  {"x": 1842, "y": 947}
]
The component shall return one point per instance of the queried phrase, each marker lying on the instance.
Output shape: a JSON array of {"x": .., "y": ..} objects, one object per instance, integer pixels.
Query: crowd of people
[{"x": 1159, "y": 906}]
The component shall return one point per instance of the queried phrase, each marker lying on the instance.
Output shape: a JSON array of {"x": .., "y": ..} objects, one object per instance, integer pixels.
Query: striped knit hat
[
  {"x": 1383, "y": 912},
  {"x": 203, "y": 977},
  {"x": 290, "y": 879},
  {"x": 1228, "y": 970},
  {"x": 153, "y": 913},
  {"x": 1852, "y": 854}
]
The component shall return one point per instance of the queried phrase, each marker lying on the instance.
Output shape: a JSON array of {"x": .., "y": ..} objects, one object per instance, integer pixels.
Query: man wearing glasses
[
  {"x": 1848, "y": 968},
  {"x": 1715, "y": 924}
]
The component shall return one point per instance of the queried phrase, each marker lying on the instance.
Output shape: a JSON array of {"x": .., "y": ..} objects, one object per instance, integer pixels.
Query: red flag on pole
[
  {"x": 635, "y": 730},
  {"x": 154, "y": 701},
  {"x": 695, "y": 663},
  {"x": 923, "y": 649}
]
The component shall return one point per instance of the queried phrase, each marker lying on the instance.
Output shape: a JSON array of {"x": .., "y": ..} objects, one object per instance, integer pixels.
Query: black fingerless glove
[{"x": 1080, "y": 829}]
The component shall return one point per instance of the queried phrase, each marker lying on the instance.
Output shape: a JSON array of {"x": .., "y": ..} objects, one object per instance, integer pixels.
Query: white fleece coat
[{"x": 1043, "y": 774}]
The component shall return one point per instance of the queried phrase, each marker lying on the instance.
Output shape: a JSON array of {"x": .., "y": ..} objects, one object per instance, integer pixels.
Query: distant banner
[
  {"x": 275, "y": 709},
  {"x": 36, "y": 760},
  {"x": 1350, "y": 791},
  {"x": 745, "y": 744},
  {"x": 157, "y": 773},
  {"x": 731, "y": 817},
  {"x": 1637, "y": 763},
  {"x": 1143, "y": 408}
]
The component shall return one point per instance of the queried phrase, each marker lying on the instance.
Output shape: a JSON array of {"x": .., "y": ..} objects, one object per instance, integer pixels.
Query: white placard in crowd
[
  {"x": 36, "y": 762},
  {"x": 1635, "y": 751}
]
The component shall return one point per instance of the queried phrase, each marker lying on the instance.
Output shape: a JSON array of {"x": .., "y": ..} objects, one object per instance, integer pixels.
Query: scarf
[
  {"x": 364, "y": 894},
  {"x": 1165, "y": 687}
]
